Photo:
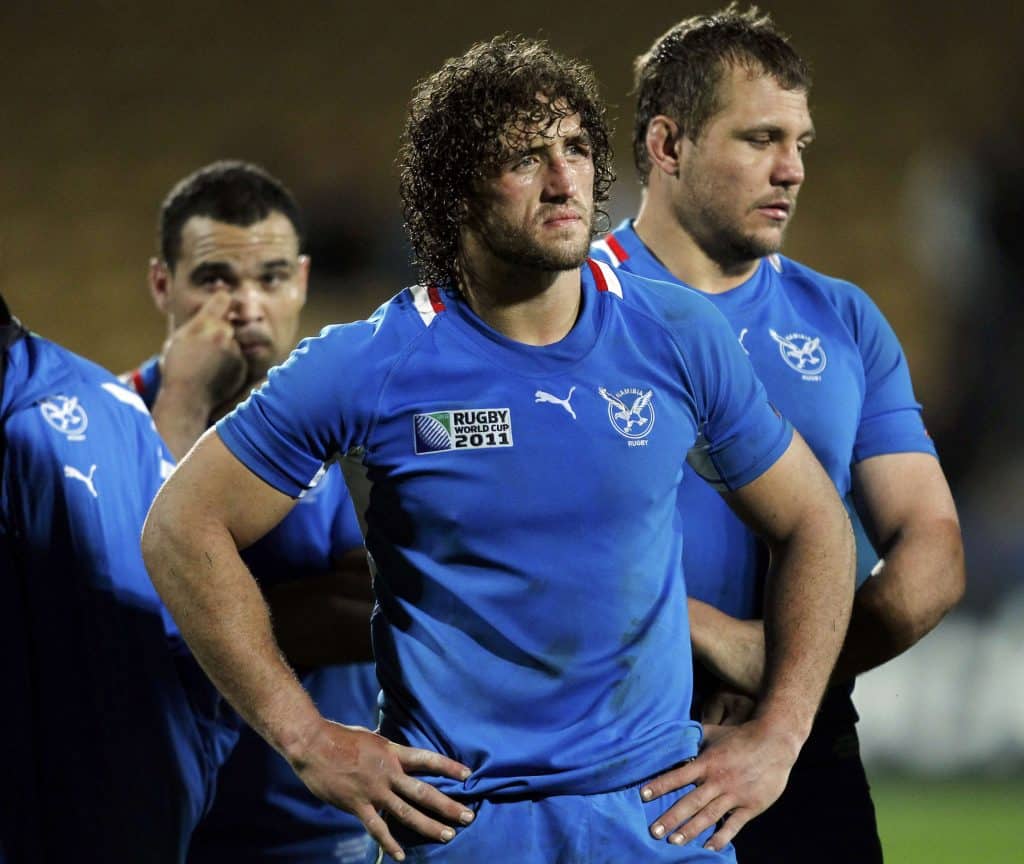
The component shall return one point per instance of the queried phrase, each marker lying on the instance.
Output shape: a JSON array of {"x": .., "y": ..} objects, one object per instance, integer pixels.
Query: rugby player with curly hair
[{"x": 525, "y": 416}]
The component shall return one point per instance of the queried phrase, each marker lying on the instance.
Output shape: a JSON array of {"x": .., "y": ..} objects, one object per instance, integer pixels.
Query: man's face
[
  {"x": 536, "y": 211},
  {"x": 738, "y": 183},
  {"x": 260, "y": 268}
]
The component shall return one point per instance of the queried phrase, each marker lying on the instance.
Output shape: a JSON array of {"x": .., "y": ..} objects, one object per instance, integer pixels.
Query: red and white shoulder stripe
[
  {"x": 428, "y": 302},
  {"x": 611, "y": 247},
  {"x": 133, "y": 380},
  {"x": 605, "y": 278}
]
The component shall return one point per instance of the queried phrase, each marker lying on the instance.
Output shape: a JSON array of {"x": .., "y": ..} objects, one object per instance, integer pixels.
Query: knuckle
[{"x": 374, "y": 823}]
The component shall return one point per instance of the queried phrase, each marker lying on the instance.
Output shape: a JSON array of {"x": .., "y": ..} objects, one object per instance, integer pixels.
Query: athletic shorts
[{"x": 609, "y": 828}]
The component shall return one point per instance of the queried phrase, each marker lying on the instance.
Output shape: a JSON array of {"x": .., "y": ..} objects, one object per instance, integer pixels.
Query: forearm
[
  {"x": 731, "y": 649},
  {"x": 921, "y": 580},
  {"x": 224, "y": 620},
  {"x": 808, "y": 598}
]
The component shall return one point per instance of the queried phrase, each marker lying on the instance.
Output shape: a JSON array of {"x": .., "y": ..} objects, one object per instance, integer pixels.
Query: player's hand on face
[
  {"x": 366, "y": 775},
  {"x": 203, "y": 356},
  {"x": 739, "y": 773},
  {"x": 725, "y": 708}
]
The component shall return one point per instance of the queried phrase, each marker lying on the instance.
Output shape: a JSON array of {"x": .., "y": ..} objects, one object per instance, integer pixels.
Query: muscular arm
[
  {"x": 739, "y": 773},
  {"x": 209, "y": 507},
  {"x": 809, "y": 590},
  {"x": 908, "y": 511},
  {"x": 730, "y": 648},
  {"x": 906, "y": 506}
]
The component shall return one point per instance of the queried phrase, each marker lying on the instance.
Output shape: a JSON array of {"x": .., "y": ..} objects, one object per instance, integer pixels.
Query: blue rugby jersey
[
  {"x": 104, "y": 759},
  {"x": 262, "y": 811},
  {"x": 832, "y": 365},
  {"x": 531, "y": 618}
]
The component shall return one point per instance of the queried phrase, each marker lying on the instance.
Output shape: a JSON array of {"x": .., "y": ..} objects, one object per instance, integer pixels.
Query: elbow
[
  {"x": 950, "y": 579},
  {"x": 954, "y": 581},
  {"x": 947, "y": 590}
]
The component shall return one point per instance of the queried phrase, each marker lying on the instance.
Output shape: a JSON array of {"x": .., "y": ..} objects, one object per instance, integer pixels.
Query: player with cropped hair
[
  {"x": 231, "y": 282},
  {"x": 721, "y": 128},
  {"x": 524, "y": 416}
]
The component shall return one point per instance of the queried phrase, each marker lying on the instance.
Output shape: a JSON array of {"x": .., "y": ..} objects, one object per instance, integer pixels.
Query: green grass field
[{"x": 950, "y": 821}]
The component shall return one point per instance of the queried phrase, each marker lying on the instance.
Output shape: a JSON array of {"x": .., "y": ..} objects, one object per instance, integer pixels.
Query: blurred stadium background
[{"x": 915, "y": 191}]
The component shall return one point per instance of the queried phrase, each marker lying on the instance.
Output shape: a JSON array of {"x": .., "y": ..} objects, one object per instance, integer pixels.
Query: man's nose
[
  {"x": 789, "y": 167},
  {"x": 246, "y": 303},
  {"x": 560, "y": 180}
]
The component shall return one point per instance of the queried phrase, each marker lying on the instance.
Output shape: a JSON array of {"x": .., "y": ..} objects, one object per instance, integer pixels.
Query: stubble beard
[
  {"x": 720, "y": 234},
  {"x": 517, "y": 246}
]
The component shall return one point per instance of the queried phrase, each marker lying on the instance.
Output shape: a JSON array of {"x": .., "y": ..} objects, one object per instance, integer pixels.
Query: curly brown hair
[
  {"x": 680, "y": 74},
  {"x": 456, "y": 135}
]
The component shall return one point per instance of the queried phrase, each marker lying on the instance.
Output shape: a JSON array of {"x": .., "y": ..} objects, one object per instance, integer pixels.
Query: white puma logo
[
  {"x": 541, "y": 396},
  {"x": 75, "y": 474}
]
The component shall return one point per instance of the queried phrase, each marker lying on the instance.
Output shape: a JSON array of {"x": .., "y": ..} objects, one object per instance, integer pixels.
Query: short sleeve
[
  {"x": 891, "y": 416},
  {"x": 741, "y": 434},
  {"x": 311, "y": 408}
]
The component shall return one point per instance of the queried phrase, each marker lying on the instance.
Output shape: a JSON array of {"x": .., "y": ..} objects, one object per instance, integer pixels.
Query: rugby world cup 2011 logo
[
  {"x": 631, "y": 411},
  {"x": 464, "y": 429}
]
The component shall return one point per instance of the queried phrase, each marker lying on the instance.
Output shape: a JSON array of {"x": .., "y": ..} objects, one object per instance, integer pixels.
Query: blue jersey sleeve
[
  {"x": 891, "y": 417},
  {"x": 741, "y": 433},
  {"x": 315, "y": 406}
]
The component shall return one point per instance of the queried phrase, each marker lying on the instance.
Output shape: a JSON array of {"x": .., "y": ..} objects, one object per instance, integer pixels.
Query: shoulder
[
  {"x": 374, "y": 341},
  {"x": 45, "y": 372},
  {"x": 859, "y": 314},
  {"x": 57, "y": 400},
  {"x": 682, "y": 314},
  {"x": 662, "y": 301},
  {"x": 842, "y": 294},
  {"x": 39, "y": 368}
]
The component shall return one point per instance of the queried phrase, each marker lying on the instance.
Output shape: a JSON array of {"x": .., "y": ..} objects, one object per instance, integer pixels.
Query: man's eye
[{"x": 759, "y": 141}]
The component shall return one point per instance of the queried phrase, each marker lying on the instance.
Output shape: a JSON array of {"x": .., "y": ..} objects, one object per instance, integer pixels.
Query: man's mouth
[
  {"x": 562, "y": 218},
  {"x": 778, "y": 209},
  {"x": 253, "y": 344}
]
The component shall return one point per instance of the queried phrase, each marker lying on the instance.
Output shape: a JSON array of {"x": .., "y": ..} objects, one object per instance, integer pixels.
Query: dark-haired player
[
  {"x": 524, "y": 417},
  {"x": 231, "y": 282},
  {"x": 721, "y": 129}
]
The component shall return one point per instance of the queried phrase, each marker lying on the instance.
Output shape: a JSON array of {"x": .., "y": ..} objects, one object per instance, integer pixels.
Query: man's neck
[
  {"x": 680, "y": 253},
  {"x": 531, "y": 306}
]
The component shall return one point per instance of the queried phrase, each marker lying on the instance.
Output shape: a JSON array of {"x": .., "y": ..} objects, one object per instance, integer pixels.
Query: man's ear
[
  {"x": 664, "y": 141},
  {"x": 302, "y": 282},
  {"x": 159, "y": 284}
]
